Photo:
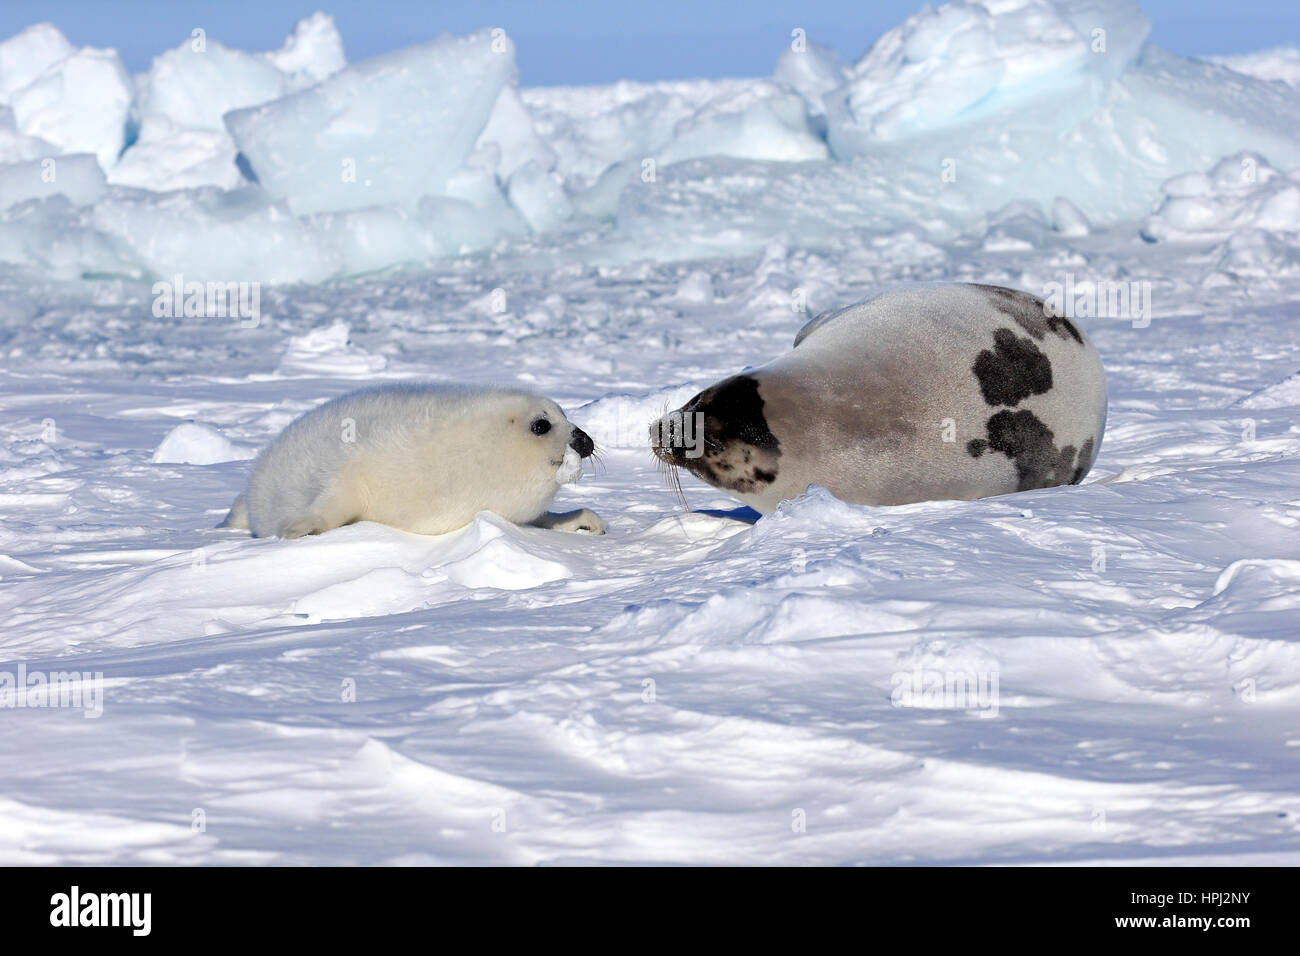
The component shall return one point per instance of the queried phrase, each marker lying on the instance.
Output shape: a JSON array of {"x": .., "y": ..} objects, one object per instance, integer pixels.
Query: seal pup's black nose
[{"x": 581, "y": 442}]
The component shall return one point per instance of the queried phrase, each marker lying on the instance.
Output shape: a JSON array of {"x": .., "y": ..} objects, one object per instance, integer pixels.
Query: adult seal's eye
[{"x": 541, "y": 426}]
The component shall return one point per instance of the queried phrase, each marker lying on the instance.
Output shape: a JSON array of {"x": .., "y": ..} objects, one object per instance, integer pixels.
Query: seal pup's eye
[{"x": 541, "y": 426}]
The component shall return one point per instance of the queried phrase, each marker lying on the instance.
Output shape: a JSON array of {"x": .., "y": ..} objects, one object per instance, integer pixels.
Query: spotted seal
[{"x": 921, "y": 393}]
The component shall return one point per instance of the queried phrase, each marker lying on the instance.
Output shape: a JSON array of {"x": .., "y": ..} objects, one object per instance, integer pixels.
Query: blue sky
[{"x": 597, "y": 41}]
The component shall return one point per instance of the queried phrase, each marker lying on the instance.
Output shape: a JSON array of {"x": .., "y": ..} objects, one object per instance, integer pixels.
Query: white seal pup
[
  {"x": 924, "y": 393},
  {"x": 423, "y": 458}
]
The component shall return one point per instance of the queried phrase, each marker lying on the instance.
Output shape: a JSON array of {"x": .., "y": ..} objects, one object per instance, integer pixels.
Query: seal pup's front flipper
[
  {"x": 583, "y": 519},
  {"x": 237, "y": 516}
]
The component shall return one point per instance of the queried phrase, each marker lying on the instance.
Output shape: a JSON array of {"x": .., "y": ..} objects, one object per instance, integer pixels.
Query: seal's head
[
  {"x": 509, "y": 451},
  {"x": 513, "y": 451},
  {"x": 539, "y": 430},
  {"x": 722, "y": 437}
]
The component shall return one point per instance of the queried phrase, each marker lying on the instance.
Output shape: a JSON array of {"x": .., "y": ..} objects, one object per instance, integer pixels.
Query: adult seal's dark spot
[
  {"x": 722, "y": 436},
  {"x": 1013, "y": 370},
  {"x": 1031, "y": 446},
  {"x": 1086, "y": 453},
  {"x": 1030, "y": 313},
  {"x": 736, "y": 412}
]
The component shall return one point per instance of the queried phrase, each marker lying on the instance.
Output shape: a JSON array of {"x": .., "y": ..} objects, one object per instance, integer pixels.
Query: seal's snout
[
  {"x": 664, "y": 452},
  {"x": 666, "y": 439},
  {"x": 678, "y": 437},
  {"x": 581, "y": 442}
]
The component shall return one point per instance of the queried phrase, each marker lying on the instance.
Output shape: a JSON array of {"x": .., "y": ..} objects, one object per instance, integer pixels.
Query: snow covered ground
[{"x": 697, "y": 686}]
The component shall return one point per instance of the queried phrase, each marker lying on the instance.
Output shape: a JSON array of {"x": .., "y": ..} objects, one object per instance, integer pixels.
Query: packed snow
[
  {"x": 192, "y": 257},
  {"x": 1280, "y": 63}
]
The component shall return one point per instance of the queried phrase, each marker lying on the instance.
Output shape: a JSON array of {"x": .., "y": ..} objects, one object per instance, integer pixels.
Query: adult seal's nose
[{"x": 581, "y": 442}]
